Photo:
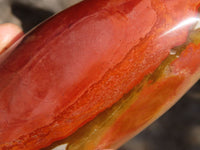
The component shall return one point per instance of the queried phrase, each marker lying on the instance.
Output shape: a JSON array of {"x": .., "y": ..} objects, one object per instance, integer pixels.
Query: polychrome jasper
[{"x": 112, "y": 66}]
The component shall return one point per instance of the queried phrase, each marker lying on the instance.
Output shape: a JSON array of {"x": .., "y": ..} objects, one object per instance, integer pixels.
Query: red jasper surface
[{"x": 82, "y": 61}]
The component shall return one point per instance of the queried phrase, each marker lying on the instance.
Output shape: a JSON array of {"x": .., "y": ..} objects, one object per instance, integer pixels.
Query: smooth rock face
[{"x": 177, "y": 130}]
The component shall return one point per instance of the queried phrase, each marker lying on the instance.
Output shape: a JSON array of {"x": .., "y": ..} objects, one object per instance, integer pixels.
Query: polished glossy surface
[
  {"x": 145, "y": 103},
  {"x": 85, "y": 59}
]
